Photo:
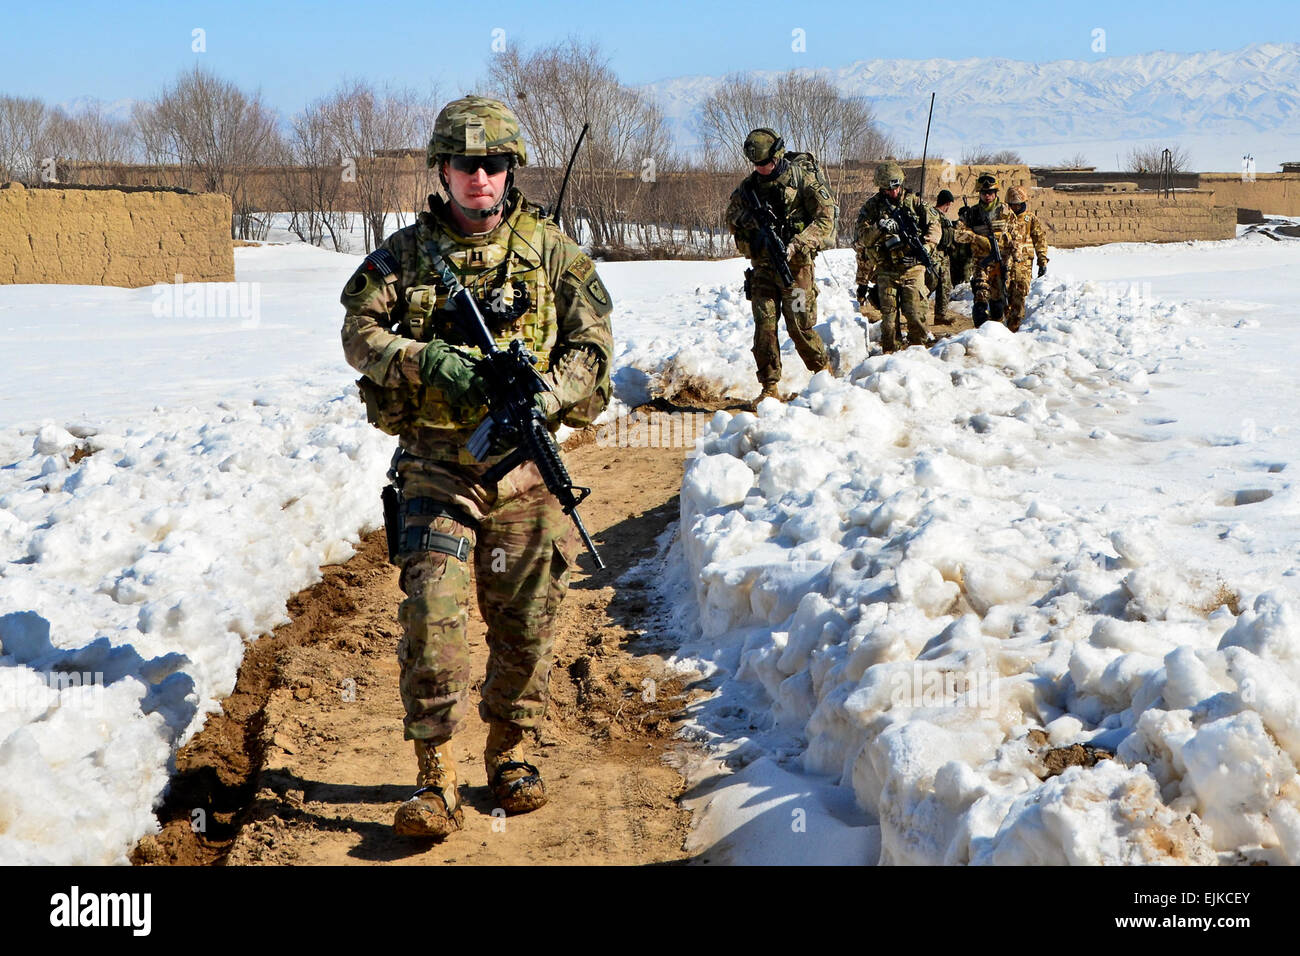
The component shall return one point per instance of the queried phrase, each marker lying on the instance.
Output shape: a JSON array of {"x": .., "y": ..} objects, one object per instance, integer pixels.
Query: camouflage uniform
[
  {"x": 799, "y": 197},
  {"x": 941, "y": 285},
  {"x": 1031, "y": 241},
  {"x": 900, "y": 278},
  {"x": 985, "y": 282},
  {"x": 533, "y": 283}
]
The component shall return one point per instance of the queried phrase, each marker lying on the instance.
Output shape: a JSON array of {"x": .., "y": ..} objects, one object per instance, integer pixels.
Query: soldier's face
[
  {"x": 893, "y": 192},
  {"x": 765, "y": 169},
  {"x": 475, "y": 190}
]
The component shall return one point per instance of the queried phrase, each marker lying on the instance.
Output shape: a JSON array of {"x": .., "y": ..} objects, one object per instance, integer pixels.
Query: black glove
[
  {"x": 1042, "y": 268},
  {"x": 887, "y": 225},
  {"x": 862, "y": 291}
]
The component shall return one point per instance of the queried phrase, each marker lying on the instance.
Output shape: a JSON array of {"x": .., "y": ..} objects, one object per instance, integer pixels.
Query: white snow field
[{"x": 1085, "y": 529}]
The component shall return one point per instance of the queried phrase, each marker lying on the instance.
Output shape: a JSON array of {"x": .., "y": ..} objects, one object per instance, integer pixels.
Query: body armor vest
[{"x": 505, "y": 273}]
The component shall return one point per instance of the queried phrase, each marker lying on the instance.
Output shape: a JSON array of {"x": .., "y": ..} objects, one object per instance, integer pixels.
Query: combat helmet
[
  {"x": 987, "y": 181},
  {"x": 764, "y": 145},
  {"x": 888, "y": 175},
  {"x": 1017, "y": 194},
  {"x": 476, "y": 126}
]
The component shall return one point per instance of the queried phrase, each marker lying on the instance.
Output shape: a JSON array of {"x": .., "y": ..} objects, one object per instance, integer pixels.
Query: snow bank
[{"x": 944, "y": 574}]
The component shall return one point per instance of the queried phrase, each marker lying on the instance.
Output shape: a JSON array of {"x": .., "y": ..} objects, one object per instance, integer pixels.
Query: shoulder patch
[
  {"x": 595, "y": 292},
  {"x": 583, "y": 268},
  {"x": 596, "y": 289}
]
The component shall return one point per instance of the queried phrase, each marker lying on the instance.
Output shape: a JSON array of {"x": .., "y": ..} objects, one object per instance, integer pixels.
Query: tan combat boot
[
  {"x": 515, "y": 783},
  {"x": 770, "y": 390},
  {"x": 434, "y": 810}
]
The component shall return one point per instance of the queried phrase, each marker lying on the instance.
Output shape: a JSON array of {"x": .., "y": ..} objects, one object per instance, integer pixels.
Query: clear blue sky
[{"x": 295, "y": 51}]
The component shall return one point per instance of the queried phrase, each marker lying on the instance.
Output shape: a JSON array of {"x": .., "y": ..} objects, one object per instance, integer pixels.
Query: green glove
[{"x": 452, "y": 373}]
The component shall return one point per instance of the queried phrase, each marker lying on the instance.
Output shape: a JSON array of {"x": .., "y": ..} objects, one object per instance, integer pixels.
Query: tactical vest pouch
[
  {"x": 391, "y": 410},
  {"x": 421, "y": 300}
]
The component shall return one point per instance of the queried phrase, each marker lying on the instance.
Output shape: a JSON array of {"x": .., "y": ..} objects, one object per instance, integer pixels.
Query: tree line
[{"x": 358, "y": 151}]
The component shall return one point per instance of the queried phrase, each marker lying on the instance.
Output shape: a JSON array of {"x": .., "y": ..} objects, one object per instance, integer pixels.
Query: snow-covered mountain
[{"x": 1219, "y": 105}]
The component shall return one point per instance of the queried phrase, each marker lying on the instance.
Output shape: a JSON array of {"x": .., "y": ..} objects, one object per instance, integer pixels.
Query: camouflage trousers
[
  {"x": 522, "y": 550},
  {"x": 902, "y": 301},
  {"x": 986, "y": 288},
  {"x": 941, "y": 287},
  {"x": 799, "y": 306},
  {"x": 1018, "y": 281}
]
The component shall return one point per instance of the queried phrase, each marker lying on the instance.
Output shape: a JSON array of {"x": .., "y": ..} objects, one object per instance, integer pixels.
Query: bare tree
[
  {"x": 22, "y": 128},
  {"x": 217, "y": 135},
  {"x": 309, "y": 184},
  {"x": 1149, "y": 159},
  {"x": 376, "y": 131},
  {"x": 1077, "y": 161},
  {"x": 554, "y": 91},
  {"x": 808, "y": 111},
  {"x": 983, "y": 155},
  {"x": 89, "y": 136}
]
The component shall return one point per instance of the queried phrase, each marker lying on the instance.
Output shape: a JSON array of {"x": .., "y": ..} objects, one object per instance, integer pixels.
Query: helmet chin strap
[
  {"x": 777, "y": 170},
  {"x": 478, "y": 213}
]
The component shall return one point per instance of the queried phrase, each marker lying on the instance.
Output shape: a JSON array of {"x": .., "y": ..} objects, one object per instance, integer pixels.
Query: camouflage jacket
[
  {"x": 800, "y": 198},
  {"x": 869, "y": 240},
  {"x": 531, "y": 281},
  {"x": 1002, "y": 220},
  {"x": 1031, "y": 238}
]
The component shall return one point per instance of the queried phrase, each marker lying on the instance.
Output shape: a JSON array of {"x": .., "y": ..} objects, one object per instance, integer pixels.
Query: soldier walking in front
[
  {"x": 421, "y": 382},
  {"x": 792, "y": 187}
]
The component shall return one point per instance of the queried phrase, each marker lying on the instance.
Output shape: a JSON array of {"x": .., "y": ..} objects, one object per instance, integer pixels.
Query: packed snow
[{"x": 901, "y": 590}]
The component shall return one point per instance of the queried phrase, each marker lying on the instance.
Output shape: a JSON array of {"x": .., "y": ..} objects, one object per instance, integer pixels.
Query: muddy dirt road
[{"x": 307, "y": 762}]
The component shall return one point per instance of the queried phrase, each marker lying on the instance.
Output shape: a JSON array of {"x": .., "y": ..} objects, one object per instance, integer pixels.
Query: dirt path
[{"x": 306, "y": 764}]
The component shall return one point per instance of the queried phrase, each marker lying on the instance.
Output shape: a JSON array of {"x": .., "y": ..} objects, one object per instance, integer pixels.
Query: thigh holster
[{"x": 404, "y": 537}]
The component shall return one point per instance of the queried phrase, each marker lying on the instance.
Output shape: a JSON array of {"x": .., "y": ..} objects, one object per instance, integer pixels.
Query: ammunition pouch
[
  {"x": 391, "y": 410},
  {"x": 749, "y": 284}
]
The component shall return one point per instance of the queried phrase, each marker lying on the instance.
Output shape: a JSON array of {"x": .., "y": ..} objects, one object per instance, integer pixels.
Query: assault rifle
[
  {"x": 512, "y": 420},
  {"x": 910, "y": 234},
  {"x": 769, "y": 233}
]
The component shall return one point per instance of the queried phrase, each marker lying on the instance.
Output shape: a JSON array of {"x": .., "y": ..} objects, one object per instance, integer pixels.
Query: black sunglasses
[{"x": 492, "y": 165}]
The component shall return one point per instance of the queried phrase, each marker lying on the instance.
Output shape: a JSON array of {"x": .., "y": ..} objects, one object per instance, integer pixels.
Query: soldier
[
  {"x": 793, "y": 189},
  {"x": 899, "y": 274},
  {"x": 422, "y": 384},
  {"x": 988, "y": 219},
  {"x": 1031, "y": 241},
  {"x": 941, "y": 281}
]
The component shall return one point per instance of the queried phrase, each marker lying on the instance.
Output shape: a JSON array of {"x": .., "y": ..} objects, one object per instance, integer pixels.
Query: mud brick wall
[
  {"x": 1275, "y": 194},
  {"x": 1074, "y": 219},
  {"x": 110, "y": 237},
  {"x": 960, "y": 179}
]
